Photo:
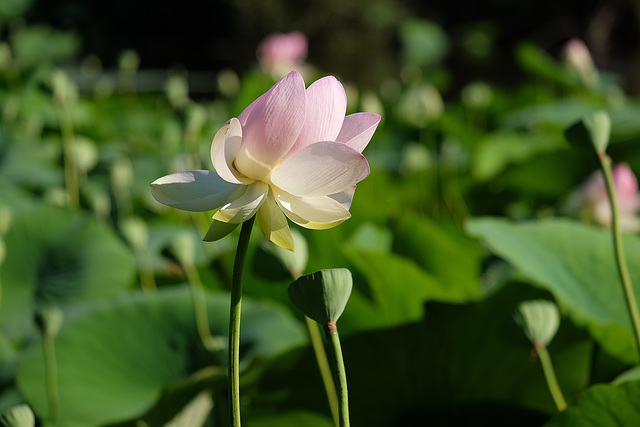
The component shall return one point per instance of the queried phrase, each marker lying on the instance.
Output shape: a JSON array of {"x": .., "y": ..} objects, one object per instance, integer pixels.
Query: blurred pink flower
[
  {"x": 578, "y": 59},
  {"x": 291, "y": 153},
  {"x": 280, "y": 53},
  {"x": 592, "y": 199}
]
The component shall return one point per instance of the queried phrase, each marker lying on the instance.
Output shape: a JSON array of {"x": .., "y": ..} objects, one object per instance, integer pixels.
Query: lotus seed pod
[
  {"x": 49, "y": 320},
  {"x": 323, "y": 295},
  {"x": 18, "y": 416},
  {"x": 539, "y": 319}
]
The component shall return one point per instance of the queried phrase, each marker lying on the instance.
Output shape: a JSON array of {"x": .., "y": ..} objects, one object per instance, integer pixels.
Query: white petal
[
  {"x": 345, "y": 198},
  {"x": 326, "y": 106},
  {"x": 224, "y": 147},
  {"x": 358, "y": 129},
  {"x": 218, "y": 230},
  {"x": 195, "y": 191},
  {"x": 320, "y": 169},
  {"x": 312, "y": 212},
  {"x": 245, "y": 206},
  {"x": 274, "y": 224}
]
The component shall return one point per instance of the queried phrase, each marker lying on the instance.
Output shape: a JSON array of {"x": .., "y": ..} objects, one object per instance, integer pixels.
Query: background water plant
[{"x": 463, "y": 219}]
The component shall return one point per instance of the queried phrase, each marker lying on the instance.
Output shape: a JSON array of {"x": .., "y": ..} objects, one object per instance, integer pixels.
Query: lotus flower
[
  {"x": 578, "y": 59},
  {"x": 291, "y": 153},
  {"x": 592, "y": 199},
  {"x": 279, "y": 53}
]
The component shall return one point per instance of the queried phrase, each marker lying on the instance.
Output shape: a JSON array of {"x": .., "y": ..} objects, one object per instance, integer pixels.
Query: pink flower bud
[
  {"x": 592, "y": 198},
  {"x": 578, "y": 58},
  {"x": 279, "y": 53}
]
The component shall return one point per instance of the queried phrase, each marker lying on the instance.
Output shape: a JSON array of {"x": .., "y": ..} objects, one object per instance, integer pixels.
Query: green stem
[
  {"x": 234, "y": 321},
  {"x": 70, "y": 168},
  {"x": 51, "y": 376},
  {"x": 550, "y": 377},
  {"x": 200, "y": 308},
  {"x": 147, "y": 279},
  {"x": 605, "y": 163},
  {"x": 340, "y": 373},
  {"x": 325, "y": 368}
]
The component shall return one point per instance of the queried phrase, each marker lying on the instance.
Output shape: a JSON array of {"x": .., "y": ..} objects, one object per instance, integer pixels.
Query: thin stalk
[
  {"x": 234, "y": 321},
  {"x": 200, "y": 307},
  {"x": 70, "y": 168},
  {"x": 51, "y": 377},
  {"x": 147, "y": 278},
  {"x": 550, "y": 377},
  {"x": 324, "y": 367},
  {"x": 605, "y": 163},
  {"x": 340, "y": 373}
]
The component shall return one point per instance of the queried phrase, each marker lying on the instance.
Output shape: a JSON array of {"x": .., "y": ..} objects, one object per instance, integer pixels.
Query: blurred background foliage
[{"x": 99, "y": 282}]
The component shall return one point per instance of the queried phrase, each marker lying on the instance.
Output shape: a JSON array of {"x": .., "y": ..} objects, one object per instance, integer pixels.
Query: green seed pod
[
  {"x": 539, "y": 319},
  {"x": 49, "y": 320},
  {"x": 18, "y": 416},
  {"x": 323, "y": 295}
]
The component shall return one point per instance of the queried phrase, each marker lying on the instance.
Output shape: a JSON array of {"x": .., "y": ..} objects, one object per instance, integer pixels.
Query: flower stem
[
  {"x": 234, "y": 321},
  {"x": 200, "y": 308},
  {"x": 339, "y": 371},
  {"x": 70, "y": 167},
  {"x": 550, "y": 377},
  {"x": 325, "y": 369},
  {"x": 605, "y": 163},
  {"x": 51, "y": 377}
]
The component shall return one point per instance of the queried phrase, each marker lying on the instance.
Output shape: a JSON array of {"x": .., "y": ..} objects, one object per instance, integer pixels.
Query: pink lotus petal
[
  {"x": 282, "y": 51},
  {"x": 358, "y": 129},
  {"x": 326, "y": 106},
  {"x": 244, "y": 116},
  {"x": 320, "y": 169},
  {"x": 625, "y": 181},
  {"x": 312, "y": 212},
  {"x": 272, "y": 127}
]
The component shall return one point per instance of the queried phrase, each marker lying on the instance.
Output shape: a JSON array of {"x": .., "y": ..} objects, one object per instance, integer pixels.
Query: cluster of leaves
[{"x": 100, "y": 271}]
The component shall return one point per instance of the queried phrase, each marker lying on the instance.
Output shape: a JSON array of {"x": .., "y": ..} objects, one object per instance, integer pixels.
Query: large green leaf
[
  {"x": 558, "y": 114},
  {"x": 442, "y": 250},
  {"x": 56, "y": 257},
  {"x": 431, "y": 264},
  {"x": 390, "y": 290},
  {"x": 603, "y": 406},
  {"x": 575, "y": 262},
  {"x": 496, "y": 151},
  {"x": 115, "y": 357},
  {"x": 467, "y": 363}
]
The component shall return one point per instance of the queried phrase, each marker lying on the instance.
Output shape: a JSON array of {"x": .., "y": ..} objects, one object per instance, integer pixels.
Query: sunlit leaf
[
  {"x": 604, "y": 406},
  {"x": 496, "y": 151},
  {"x": 466, "y": 363},
  {"x": 443, "y": 251},
  {"x": 575, "y": 262},
  {"x": 57, "y": 257},
  {"x": 115, "y": 357}
]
